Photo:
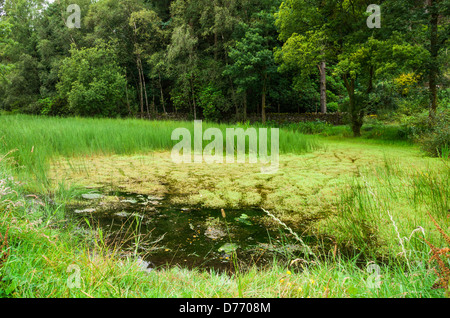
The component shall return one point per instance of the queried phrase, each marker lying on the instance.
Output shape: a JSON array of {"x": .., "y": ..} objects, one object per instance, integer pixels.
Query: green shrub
[
  {"x": 312, "y": 127},
  {"x": 416, "y": 126},
  {"x": 212, "y": 101},
  {"x": 333, "y": 107},
  {"x": 436, "y": 142}
]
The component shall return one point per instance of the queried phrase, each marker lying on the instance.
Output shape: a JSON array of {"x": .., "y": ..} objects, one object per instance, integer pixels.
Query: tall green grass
[
  {"x": 383, "y": 212},
  {"x": 371, "y": 132},
  {"x": 35, "y": 140}
]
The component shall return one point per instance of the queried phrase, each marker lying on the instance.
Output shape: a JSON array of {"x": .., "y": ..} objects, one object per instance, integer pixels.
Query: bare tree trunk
[
  {"x": 263, "y": 100},
  {"x": 162, "y": 94},
  {"x": 434, "y": 49},
  {"x": 323, "y": 87},
  {"x": 193, "y": 99},
  {"x": 145, "y": 94},
  {"x": 141, "y": 74},
  {"x": 126, "y": 94},
  {"x": 143, "y": 85},
  {"x": 141, "y": 94},
  {"x": 245, "y": 105},
  {"x": 153, "y": 105}
]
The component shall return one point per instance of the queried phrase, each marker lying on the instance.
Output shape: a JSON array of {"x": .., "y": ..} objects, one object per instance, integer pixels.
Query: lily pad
[
  {"x": 228, "y": 248},
  {"x": 131, "y": 201},
  {"x": 85, "y": 211},
  {"x": 91, "y": 196},
  {"x": 155, "y": 198},
  {"x": 214, "y": 233},
  {"x": 122, "y": 214},
  {"x": 243, "y": 218}
]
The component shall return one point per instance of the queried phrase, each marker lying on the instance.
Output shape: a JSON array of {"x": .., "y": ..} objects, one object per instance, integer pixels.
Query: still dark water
[{"x": 167, "y": 235}]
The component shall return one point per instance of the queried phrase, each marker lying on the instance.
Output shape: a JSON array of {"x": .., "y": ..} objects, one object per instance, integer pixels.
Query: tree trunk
[
  {"x": 162, "y": 94},
  {"x": 153, "y": 105},
  {"x": 215, "y": 45},
  {"x": 434, "y": 49},
  {"x": 143, "y": 86},
  {"x": 245, "y": 105},
  {"x": 126, "y": 94},
  {"x": 145, "y": 93},
  {"x": 233, "y": 97},
  {"x": 141, "y": 95},
  {"x": 323, "y": 87},
  {"x": 263, "y": 100},
  {"x": 356, "y": 114},
  {"x": 193, "y": 98},
  {"x": 141, "y": 73}
]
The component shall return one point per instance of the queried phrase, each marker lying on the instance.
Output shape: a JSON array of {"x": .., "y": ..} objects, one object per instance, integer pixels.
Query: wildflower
[
  {"x": 282, "y": 280},
  {"x": 312, "y": 281},
  {"x": 288, "y": 272}
]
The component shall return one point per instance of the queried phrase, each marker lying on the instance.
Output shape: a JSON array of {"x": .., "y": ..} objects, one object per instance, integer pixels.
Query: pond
[{"x": 193, "y": 237}]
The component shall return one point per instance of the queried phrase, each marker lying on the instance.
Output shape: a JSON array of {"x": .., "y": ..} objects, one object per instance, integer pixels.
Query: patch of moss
[{"x": 305, "y": 187}]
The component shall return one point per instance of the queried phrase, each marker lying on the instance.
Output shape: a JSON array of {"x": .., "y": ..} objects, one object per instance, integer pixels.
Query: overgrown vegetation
[{"x": 372, "y": 212}]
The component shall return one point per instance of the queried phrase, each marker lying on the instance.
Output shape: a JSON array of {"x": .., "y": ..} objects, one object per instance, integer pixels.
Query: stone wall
[
  {"x": 331, "y": 118},
  {"x": 279, "y": 118}
]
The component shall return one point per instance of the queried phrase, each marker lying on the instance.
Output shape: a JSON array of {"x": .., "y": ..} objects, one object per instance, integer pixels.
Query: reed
[
  {"x": 36, "y": 140},
  {"x": 383, "y": 207}
]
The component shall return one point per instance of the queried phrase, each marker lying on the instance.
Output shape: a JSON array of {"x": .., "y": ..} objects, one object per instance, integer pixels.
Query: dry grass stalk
[
  {"x": 4, "y": 250},
  {"x": 444, "y": 271},
  {"x": 306, "y": 247}
]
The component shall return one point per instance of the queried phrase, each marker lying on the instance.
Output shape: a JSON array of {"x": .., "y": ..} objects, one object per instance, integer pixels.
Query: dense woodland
[{"x": 224, "y": 59}]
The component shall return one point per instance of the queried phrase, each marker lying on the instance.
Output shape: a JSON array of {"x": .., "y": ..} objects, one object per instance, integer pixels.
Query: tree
[
  {"x": 5, "y": 41},
  {"x": 252, "y": 60},
  {"x": 437, "y": 11},
  {"x": 148, "y": 38},
  {"x": 304, "y": 28},
  {"x": 54, "y": 40},
  {"x": 183, "y": 58},
  {"x": 92, "y": 83},
  {"x": 305, "y": 54},
  {"x": 359, "y": 54},
  {"x": 424, "y": 22},
  {"x": 109, "y": 21},
  {"x": 19, "y": 61}
]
